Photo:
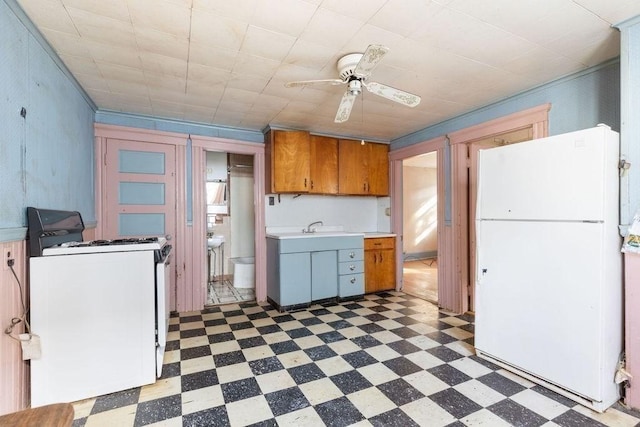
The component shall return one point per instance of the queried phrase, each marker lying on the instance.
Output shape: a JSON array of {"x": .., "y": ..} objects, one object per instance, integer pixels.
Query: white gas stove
[
  {"x": 99, "y": 246},
  {"x": 100, "y": 307}
]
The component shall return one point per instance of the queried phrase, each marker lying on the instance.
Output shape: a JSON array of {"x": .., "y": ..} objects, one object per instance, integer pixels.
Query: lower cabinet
[
  {"x": 303, "y": 270},
  {"x": 379, "y": 264}
]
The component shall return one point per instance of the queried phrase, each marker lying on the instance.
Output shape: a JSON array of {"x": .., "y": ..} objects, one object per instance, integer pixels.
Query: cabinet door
[
  {"x": 353, "y": 167},
  {"x": 370, "y": 271},
  {"x": 295, "y": 278},
  {"x": 290, "y": 154},
  {"x": 323, "y": 165},
  {"x": 324, "y": 275},
  {"x": 378, "y": 170},
  {"x": 379, "y": 270},
  {"x": 386, "y": 270}
]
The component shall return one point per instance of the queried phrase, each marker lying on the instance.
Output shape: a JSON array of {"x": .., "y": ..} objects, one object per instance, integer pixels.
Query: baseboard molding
[{"x": 413, "y": 256}]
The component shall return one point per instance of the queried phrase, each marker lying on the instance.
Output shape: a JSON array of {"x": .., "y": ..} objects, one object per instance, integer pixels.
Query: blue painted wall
[
  {"x": 46, "y": 158},
  {"x": 578, "y": 101}
]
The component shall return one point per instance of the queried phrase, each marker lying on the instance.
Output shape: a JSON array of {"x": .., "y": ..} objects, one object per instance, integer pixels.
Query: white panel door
[
  {"x": 556, "y": 178},
  {"x": 536, "y": 309}
]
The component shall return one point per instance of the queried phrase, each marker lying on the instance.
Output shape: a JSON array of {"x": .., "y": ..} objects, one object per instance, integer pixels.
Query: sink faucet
[{"x": 309, "y": 229}]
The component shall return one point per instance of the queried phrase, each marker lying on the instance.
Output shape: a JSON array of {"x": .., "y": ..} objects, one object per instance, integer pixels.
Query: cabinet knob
[
  {"x": 352, "y": 267},
  {"x": 352, "y": 254},
  {"x": 353, "y": 280}
]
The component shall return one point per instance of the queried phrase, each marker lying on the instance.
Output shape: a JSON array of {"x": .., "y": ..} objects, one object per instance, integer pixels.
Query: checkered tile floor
[{"x": 386, "y": 360}]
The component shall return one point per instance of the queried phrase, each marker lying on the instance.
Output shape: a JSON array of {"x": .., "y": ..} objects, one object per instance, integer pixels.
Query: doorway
[
  {"x": 420, "y": 225},
  {"x": 230, "y": 228}
]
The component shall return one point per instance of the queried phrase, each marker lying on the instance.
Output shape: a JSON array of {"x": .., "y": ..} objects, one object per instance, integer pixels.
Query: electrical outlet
[{"x": 9, "y": 261}]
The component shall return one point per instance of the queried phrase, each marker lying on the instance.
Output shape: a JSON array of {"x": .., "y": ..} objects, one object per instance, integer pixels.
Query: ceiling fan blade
[
  {"x": 344, "y": 110},
  {"x": 397, "y": 95},
  {"x": 315, "y": 82},
  {"x": 370, "y": 59}
]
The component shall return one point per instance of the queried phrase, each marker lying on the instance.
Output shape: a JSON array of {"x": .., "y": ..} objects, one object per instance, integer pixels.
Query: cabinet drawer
[
  {"x": 379, "y": 243},
  {"x": 351, "y": 267},
  {"x": 346, "y": 255},
  {"x": 351, "y": 284}
]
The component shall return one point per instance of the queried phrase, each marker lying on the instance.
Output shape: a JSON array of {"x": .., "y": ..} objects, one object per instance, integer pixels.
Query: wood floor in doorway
[{"x": 420, "y": 278}]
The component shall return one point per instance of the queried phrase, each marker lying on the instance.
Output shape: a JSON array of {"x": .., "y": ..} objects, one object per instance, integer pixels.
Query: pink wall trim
[
  {"x": 239, "y": 147},
  {"x": 189, "y": 241},
  {"x": 632, "y": 326},
  {"x": 536, "y": 116},
  {"x": 14, "y": 372},
  {"x": 537, "y": 119},
  {"x": 396, "y": 157},
  {"x": 453, "y": 244}
]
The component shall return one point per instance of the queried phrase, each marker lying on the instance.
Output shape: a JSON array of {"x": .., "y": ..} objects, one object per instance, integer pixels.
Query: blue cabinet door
[
  {"x": 295, "y": 278},
  {"x": 324, "y": 275}
]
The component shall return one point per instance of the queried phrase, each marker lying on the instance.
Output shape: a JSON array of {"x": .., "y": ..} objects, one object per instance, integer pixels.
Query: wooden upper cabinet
[
  {"x": 297, "y": 162},
  {"x": 353, "y": 159},
  {"x": 378, "y": 177},
  {"x": 288, "y": 161},
  {"x": 323, "y": 165},
  {"x": 363, "y": 169}
]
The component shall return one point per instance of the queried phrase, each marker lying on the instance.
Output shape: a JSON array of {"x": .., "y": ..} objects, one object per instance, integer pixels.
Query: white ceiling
[{"x": 225, "y": 62}]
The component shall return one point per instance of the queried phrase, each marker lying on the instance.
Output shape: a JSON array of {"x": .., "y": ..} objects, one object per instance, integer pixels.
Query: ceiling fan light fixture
[{"x": 355, "y": 87}]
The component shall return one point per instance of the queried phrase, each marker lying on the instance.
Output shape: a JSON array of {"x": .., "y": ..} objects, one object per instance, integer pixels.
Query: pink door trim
[{"x": 453, "y": 242}]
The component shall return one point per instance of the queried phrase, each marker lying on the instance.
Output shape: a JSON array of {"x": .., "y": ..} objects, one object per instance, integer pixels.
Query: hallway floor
[
  {"x": 420, "y": 278},
  {"x": 389, "y": 359}
]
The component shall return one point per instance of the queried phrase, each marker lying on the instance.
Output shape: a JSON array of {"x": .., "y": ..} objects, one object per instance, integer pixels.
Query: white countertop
[{"x": 320, "y": 231}]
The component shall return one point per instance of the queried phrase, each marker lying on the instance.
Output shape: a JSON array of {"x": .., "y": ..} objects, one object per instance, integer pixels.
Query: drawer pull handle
[
  {"x": 353, "y": 280},
  {"x": 377, "y": 244},
  {"x": 352, "y": 267},
  {"x": 352, "y": 254}
]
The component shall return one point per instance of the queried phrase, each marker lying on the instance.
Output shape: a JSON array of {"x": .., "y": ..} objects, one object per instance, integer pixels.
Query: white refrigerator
[{"x": 549, "y": 278}]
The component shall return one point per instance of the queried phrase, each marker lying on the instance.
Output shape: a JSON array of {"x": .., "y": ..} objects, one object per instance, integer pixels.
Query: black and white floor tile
[{"x": 387, "y": 360}]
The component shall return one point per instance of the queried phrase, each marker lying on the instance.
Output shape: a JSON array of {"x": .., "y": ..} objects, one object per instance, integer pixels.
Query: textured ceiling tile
[
  {"x": 118, "y": 72},
  {"x": 240, "y": 10},
  {"x": 458, "y": 55},
  {"x": 154, "y": 64},
  {"x": 214, "y": 30},
  {"x": 67, "y": 44},
  {"x": 116, "y": 9},
  {"x": 153, "y": 41},
  {"x": 330, "y": 29},
  {"x": 290, "y": 17},
  {"x": 475, "y": 39},
  {"x": 92, "y": 81},
  {"x": 310, "y": 56},
  {"x": 247, "y": 82},
  {"x": 207, "y": 75},
  {"x": 103, "y": 29},
  {"x": 49, "y": 14},
  {"x": 266, "y": 44},
  {"x": 211, "y": 56},
  {"x": 126, "y": 87},
  {"x": 370, "y": 34},
  {"x": 161, "y": 15},
  {"x": 254, "y": 65},
  {"x": 404, "y": 16},
  {"x": 117, "y": 55},
  {"x": 362, "y": 10},
  {"x": 612, "y": 11}
]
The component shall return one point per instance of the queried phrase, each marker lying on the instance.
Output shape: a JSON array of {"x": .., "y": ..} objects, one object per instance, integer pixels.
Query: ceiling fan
[{"x": 354, "y": 69}]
